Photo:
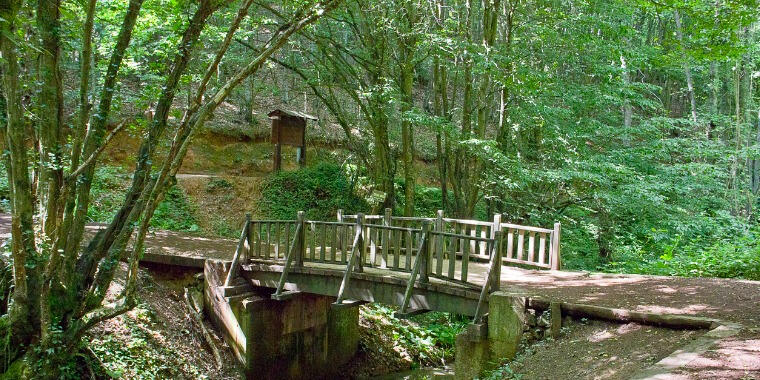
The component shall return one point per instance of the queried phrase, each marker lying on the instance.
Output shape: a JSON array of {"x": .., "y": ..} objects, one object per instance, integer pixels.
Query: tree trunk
[{"x": 686, "y": 68}]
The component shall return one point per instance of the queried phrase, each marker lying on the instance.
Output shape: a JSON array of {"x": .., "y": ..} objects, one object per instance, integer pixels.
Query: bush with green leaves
[
  {"x": 173, "y": 213},
  {"x": 318, "y": 190},
  {"x": 428, "y": 338}
]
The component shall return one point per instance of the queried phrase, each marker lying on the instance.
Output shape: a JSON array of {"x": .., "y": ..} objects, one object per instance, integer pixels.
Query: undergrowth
[
  {"x": 319, "y": 190},
  {"x": 726, "y": 257},
  {"x": 107, "y": 195},
  {"x": 134, "y": 353},
  {"x": 427, "y": 339}
]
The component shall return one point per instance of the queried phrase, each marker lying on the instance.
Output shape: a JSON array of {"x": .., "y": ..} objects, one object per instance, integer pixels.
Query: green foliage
[
  {"x": 727, "y": 256},
  {"x": 107, "y": 193},
  {"x": 319, "y": 190},
  {"x": 429, "y": 338},
  {"x": 218, "y": 184},
  {"x": 139, "y": 354},
  {"x": 173, "y": 213},
  {"x": 5, "y": 194}
]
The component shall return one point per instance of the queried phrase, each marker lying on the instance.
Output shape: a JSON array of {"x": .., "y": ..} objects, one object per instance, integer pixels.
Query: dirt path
[{"x": 606, "y": 351}]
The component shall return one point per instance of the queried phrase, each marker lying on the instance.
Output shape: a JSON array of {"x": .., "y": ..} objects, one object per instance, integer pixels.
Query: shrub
[
  {"x": 319, "y": 191},
  {"x": 174, "y": 213},
  {"x": 729, "y": 256},
  {"x": 107, "y": 195}
]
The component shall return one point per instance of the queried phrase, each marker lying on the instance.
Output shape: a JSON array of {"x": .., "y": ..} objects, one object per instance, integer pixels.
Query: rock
[{"x": 543, "y": 321}]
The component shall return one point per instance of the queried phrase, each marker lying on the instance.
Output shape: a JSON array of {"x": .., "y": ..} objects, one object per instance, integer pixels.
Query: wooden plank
[
  {"x": 323, "y": 247},
  {"x": 365, "y": 243},
  {"x": 439, "y": 254},
  {"x": 465, "y": 259},
  {"x": 277, "y": 240},
  {"x": 312, "y": 243},
  {"x": 531, "y": 246},
  {"x": 452, "y": 256},
  {"x": 397, "y": 249},
  {"x": 269, "y": 240},
  {"x": 287, "y": 235},
  {"x": 372, "y": 245},
  {"x": 334, "y": 249},
  {"x": 473, "y": 243},
  {"x": 555, "y": 258},
  {"x": 541, "y": 248},
  {"x": 349, "y": 246},
  {"x": 439, "y": 243},
  {"x": 409, "y": 253},
  {"x": 510, "y": 243},
  {"x": 258, "y": 240},
  {"x": 251, "y": 237},
  {"x": 385, "y": 247},
  {"x": 349, "y": 268},
  {"x": 520, "y": 244},
  {"x": 526, "y": 228},
  {"x": 484, "y": 234}
]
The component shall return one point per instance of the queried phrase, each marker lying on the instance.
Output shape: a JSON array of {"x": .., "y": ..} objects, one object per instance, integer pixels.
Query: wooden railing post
[
  {"x": 387, "y": 217},
  {"x": 300, "y": 239},
  {"x": 247, "y": 252},
  {"x": 556, "y": 263},
  {"x": 424, "y": 252},
  {"x": 438, "y": 243},
  {"x": 491, "y": 277},
  {"x": 360, "y": 243},
  {"x": 339, "y": 217},
  {"x": 386, "y": 239},
  {"x": 236, "y": 259},
  {"x": 497, "y": 252},
  {"x": 496, "y": 227}
]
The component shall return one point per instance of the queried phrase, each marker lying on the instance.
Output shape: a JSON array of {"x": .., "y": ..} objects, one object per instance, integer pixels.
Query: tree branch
[{"x": 94, "y": 156}]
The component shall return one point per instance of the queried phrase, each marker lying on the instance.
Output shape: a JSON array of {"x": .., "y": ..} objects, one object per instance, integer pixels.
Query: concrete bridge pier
[
  {"x": 481, "y": 346},
  {"x": 303, "y": 336}
]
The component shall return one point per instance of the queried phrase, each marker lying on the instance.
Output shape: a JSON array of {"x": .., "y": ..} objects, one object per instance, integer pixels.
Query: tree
[{"x": 59, "y": 287}]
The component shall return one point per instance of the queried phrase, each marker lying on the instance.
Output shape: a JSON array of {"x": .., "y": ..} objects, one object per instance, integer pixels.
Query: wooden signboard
[{"x": 289, "y": 128}]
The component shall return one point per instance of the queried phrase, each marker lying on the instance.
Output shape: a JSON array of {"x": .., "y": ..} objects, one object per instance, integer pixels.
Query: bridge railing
[
  {"x": 442, "y": 248},
  {"x": 527, "y": 246}
]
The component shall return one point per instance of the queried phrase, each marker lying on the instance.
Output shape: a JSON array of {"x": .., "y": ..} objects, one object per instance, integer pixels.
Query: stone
[
  {"x": 543, "y": 320},
  {"x": 342, "y": 333}
]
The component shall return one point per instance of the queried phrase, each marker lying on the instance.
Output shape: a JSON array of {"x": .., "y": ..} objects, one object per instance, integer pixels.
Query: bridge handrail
[
  {"x": 442, "y": 248},
  {"x": 542, "y": 251}
]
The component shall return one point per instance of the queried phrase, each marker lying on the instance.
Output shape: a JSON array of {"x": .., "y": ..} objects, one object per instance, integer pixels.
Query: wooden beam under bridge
[{"x": 382, "y": 287}]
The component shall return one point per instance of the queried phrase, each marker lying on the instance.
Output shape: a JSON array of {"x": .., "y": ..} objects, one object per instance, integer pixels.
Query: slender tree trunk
[
  {"x": 407, "y": 138},
  {"x": 23, "y": 317},
  {"x": 686, "y": 68},
  {"x": 50, "y": 114},
  {"x": 627, "y": 108}
]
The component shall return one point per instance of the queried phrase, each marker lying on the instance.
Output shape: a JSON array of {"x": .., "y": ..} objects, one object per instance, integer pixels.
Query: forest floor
[
  {"x": 159, "y": 338},
  {"x": 736, "y": 357}
]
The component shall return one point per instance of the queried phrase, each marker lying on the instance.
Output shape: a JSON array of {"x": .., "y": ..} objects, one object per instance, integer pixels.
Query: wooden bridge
[{"x": 419, "y": 264}]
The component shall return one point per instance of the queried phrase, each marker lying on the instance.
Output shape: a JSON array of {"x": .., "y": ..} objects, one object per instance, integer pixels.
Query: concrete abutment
[
  {"x": 304, "y": 336},
  {"x": 480, "y": 347}
]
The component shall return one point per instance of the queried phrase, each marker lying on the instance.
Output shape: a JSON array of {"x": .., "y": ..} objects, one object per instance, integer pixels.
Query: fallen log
[
  {"x": 206, "y": 335},
  {"x": 673, "y": 321}
]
